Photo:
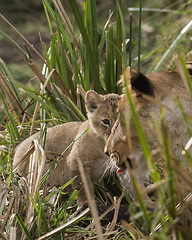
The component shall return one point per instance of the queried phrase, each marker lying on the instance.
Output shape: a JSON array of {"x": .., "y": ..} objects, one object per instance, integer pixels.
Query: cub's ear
[
  {"x": 140, "y": 83},
  {"x": 92, "y": 100}
]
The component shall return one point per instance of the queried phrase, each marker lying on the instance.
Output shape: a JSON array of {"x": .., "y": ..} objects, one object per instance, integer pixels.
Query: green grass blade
[
  {"x": 40, "y": 98},
  {"x": 139, "y": 37},
  {"x": 11, "y": 125},
  {"x": 143, "y": 141},
  {"x": 109, "y": 64},
  {"x": 76, "y": 109},
  {"x": 123, "y": 39},
  {"x": 34, "y": 204},
  {"x": 103, "y": 37},
  {"x": 67, "y": 204},
  {"x": 173, "y": 46},
  {"x": 17, "y": 46},
  {"x": 130, "y": 38},
  {"x": 170, "y": 172},
  {"x": 42, "y": 213},
  {"x": 147, "y": 155},
  {"x": 118, "y": 40},
  {"x": 5, "y": 71},
  {"x": 21, "y": 223},
  {"x": 185, "y": 74},
  {"x": 94, "y": 71},
  {"x": 47, "y": 15}
]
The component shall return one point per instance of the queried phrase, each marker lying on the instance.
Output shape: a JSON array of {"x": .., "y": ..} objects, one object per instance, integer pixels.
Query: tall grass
[{"x": 80, "y": 57}]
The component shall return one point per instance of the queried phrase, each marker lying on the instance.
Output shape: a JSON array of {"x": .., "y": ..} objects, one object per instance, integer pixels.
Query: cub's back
[{"x": 58, "y": 139}]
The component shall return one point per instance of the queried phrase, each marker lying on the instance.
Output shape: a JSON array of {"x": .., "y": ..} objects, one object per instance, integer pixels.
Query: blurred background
[{"x": 161, "y": 23}]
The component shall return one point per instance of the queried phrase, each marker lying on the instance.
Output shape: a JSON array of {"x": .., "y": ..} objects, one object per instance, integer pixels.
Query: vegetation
[{"x": 84, "y": 55}]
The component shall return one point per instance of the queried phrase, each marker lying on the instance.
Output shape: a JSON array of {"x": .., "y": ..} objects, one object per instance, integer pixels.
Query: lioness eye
[{"x": 106, "y": 121}]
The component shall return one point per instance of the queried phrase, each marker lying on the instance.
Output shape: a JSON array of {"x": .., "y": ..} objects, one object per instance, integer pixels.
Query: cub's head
[
  {"x": 123, "y": 138},
  {"x": 101, "y": 111}
]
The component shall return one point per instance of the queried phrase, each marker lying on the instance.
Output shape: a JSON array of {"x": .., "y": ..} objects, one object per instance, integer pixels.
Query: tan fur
[
  {"x": 123, "y": 143},
  {"x": 89, "y": 148}
]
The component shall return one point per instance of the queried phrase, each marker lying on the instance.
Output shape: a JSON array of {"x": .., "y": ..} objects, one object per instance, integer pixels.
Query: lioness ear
[
  {"x": 189, "y": 67},
  {"x": 139, "y": 82},
  {"x": 92, "y": 100}
]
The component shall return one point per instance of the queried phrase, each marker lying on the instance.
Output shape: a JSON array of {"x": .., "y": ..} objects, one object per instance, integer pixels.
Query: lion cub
[
  {"x": 151, "y": 94},
  {"x": 89, "y": 148}
]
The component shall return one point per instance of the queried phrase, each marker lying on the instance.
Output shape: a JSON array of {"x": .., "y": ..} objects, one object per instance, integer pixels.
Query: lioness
[
  {"x": 150, "y": 94},
  {"x": 89, "y": 148}
]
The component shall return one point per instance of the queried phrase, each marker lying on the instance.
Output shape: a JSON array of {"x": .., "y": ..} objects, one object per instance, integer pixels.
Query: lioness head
[
  {"x": 101, "y": 111},
  {"x": 123, "y": 135},
  {"x": 148, "y": 93}
]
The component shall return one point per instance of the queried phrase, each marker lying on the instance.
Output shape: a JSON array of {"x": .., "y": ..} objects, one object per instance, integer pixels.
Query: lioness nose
[{"x": 106, "y": 151}]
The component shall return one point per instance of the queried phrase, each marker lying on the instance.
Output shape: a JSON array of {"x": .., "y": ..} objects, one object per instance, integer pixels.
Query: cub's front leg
[{"x": 77, "y": 184}]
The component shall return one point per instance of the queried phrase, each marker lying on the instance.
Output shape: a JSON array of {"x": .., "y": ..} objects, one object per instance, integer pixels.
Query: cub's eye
[{"x": 106, "y": 121}]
